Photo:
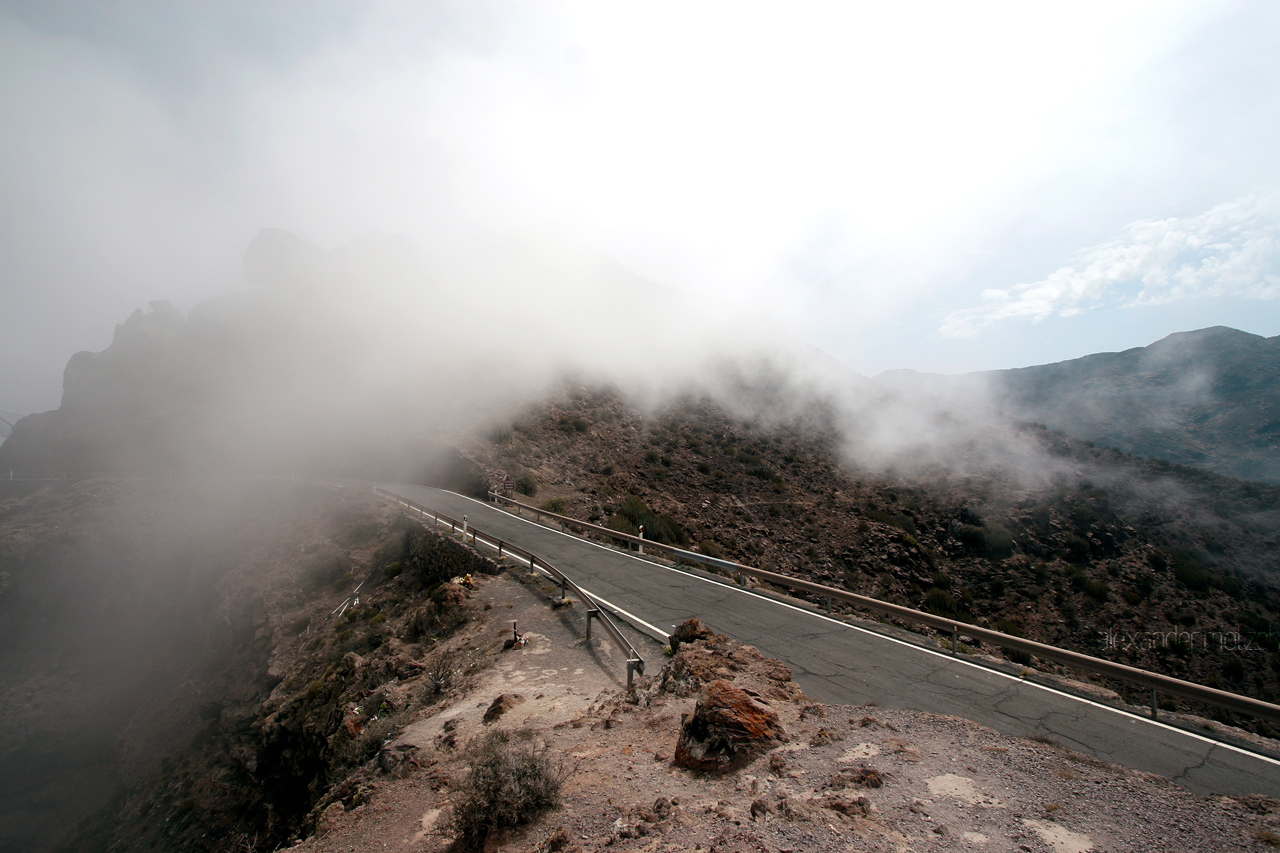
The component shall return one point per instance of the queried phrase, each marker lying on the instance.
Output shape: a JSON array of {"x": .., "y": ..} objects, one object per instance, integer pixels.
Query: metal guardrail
[
  {"x": 635, "y": 663},
  {"x": 1156, "y": 682}
]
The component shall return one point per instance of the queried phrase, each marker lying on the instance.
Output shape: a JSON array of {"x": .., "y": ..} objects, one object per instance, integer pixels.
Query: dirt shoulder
[{"x": 864, "y": 777}]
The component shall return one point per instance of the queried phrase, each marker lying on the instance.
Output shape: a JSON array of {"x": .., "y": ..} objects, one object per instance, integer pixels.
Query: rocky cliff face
[{"x": 272, "y": 379}]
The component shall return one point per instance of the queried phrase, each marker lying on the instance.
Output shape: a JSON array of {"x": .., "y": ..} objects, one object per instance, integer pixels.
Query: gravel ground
[{"x": 847, "y": 778}]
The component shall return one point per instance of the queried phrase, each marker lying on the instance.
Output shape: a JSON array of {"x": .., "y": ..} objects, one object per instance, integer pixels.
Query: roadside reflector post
[
  {"x": 640, "y": 545},
  {"x": 955, "y": 641}
]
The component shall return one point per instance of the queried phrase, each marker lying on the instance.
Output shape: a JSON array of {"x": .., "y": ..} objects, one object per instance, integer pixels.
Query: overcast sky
[{"x": 941, "y": 186}]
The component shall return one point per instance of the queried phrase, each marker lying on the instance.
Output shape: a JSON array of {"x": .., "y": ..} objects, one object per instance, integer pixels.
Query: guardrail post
[
  {"x": 499, "y": 549},
  {"x": 633, "y": 666},
  {"x": 955, "y": 641},
  {"x": 827, "y": 604},
  {"x": 591, "y": 614},
  {"x": 564, "y": 589},
  {"x": 1155, "y": 708}
]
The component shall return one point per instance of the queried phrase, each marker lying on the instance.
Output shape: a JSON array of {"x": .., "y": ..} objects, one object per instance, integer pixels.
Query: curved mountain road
[{"x": 839, "y": 663}]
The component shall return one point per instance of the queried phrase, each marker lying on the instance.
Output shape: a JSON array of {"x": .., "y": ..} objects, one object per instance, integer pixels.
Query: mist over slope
[
  {"x": 361, "y": 360},
  {"x": 381, "y": 361},
  {"x": 1155, "y": 565},
  {"x": 1208, "y": 398}
]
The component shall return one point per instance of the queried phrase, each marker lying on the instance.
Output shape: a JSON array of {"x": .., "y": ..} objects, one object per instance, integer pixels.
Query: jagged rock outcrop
[{"x": 728, "y": 727}]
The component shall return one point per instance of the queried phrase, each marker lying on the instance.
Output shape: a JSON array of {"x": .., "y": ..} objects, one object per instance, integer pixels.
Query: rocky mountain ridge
[{"x": 1208, "y": 398}]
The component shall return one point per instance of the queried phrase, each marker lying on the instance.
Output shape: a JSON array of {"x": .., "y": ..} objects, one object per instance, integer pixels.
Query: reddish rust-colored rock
[
  {"x": 726, "y": 729},
  {"x": 502, "y": 705},
  {"x": 692, "y": 631}
]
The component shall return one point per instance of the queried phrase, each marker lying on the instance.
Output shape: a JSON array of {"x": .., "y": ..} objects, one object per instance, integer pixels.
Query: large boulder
[{"x": 727, "y": 729}]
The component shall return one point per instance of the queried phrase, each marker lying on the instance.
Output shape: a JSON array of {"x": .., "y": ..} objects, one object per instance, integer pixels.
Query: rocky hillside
[
  {"x": 179, "y": 670},
  {"x": 1209, "y": 398},
  {"x": 1135, "y": 560},
  {"x": 352, "y": 693}
]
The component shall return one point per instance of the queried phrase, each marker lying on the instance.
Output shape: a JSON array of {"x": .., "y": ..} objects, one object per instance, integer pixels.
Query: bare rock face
[{"x": 728, "y": 727}]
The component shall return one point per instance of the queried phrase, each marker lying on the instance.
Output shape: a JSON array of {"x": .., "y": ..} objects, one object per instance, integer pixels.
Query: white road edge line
[
  {"x": 1126, "y": 714},
  {"x": 655, "y": 632}
]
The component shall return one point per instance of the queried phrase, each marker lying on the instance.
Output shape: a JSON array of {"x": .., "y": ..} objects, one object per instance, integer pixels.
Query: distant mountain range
[{"x": 1209, "y": 398}]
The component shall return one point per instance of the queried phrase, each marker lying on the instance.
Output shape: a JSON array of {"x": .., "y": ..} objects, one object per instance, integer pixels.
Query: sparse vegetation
[
  {"x": 512, "y": 781},
  {"x": 633, "y": 514}
]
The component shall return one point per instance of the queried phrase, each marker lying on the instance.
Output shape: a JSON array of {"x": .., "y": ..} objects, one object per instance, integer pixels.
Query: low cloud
[{"x": 1231, "y": 250}]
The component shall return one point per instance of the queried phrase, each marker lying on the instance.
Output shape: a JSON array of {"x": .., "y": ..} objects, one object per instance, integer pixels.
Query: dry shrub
[{"x": 512, "y": 781}]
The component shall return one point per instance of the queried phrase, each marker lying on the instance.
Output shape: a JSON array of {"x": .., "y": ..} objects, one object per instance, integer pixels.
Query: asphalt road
[{"x": 838, "y": 663}]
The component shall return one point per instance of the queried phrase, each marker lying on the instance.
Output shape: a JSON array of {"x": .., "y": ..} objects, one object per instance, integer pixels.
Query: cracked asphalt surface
[{"x": 837, "y": 663}]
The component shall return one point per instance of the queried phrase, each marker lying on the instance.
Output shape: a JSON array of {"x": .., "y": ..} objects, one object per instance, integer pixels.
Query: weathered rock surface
[
  {"x": 728, "y": 728},
  {"x": 502, "y": 705}
]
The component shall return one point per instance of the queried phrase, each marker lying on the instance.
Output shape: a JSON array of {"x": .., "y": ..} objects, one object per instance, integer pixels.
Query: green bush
[
  {"x": 940, "y": 602},
  {"x": 1012, "y": 627},
  {"x": 556, "y": 505},
  {"x": 902, "y": 522},
  {"x": 970, "y": 536},
  {"x": 1075, "y": 549},
  {"x": 1096, "y": 590},
  {"x": 525, "y": 485},
  {"x": 509, "y": 785},
  {"x": 660, "y": 528},
  {"x": 1190, "y": 574},
  {"x": 997, "y": 541},
  {"x": 711, "y": 549}
]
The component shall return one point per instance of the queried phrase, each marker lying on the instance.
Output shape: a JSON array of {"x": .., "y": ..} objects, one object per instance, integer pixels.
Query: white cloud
[{"x": 1231, "y": 250}]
